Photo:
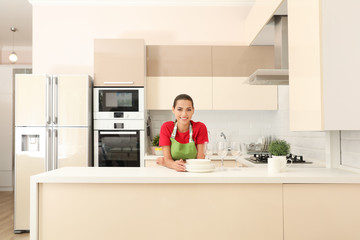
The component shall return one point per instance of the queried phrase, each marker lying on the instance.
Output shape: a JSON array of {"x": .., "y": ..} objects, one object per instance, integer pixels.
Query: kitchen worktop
[{"x": 165, "y": 175}]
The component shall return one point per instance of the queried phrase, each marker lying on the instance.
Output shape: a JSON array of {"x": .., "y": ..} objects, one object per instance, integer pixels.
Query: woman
[{"x": 184, "y": 138}]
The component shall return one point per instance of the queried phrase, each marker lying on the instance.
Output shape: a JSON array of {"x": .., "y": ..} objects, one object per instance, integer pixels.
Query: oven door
[{"x": 118, "y": 148}]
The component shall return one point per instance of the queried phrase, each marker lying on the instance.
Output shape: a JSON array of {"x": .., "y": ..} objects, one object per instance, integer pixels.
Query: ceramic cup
[{"x": 277, "y": 164}]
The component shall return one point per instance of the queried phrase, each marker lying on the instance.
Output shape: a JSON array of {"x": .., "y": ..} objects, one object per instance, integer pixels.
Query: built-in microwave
[{"x": 118, "y": 103}]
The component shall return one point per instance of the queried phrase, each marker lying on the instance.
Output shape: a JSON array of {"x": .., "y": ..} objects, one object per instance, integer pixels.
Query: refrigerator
[{"x": 52, "y": 130}]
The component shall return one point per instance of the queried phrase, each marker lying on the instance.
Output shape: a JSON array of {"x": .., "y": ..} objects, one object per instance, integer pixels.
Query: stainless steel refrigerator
[{"x": 52, "y": 130}]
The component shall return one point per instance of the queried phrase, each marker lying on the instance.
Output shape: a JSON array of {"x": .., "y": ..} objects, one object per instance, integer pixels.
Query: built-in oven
[
  {"x": 118, "y": 103},
  {"x": 119, "y": 143}
]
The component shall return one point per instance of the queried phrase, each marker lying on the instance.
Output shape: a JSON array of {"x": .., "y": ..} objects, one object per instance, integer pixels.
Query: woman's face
[{"x": 183, "y": 111}]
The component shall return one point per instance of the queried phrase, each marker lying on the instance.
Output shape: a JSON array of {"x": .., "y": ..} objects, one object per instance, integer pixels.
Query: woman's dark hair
[{"x": 183, "y": 97}]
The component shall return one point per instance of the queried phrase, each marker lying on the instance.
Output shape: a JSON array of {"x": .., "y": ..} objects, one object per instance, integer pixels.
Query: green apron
[{"x": 182, "y": 151}]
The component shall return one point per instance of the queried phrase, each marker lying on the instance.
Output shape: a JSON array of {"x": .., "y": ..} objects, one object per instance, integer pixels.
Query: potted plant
[
  {"x": 279, "y": 147},
  {"x": 156, "y": 150}
]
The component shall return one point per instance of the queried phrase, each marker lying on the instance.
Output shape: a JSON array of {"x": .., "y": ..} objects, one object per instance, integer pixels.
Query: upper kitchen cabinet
[
  {"x": 161, "y": 91},
  {"x": 323, "y": 65},
  {"x": 233, "y": 93},
  {"x": 241, "y": 61},
  {"x": 170, "y": 61},
  {"x": 119, "y": 62},
  {"x": 232, "y": 65},
  {"x": 261, "y": 12},
  {"x": 172, "y": 70}
]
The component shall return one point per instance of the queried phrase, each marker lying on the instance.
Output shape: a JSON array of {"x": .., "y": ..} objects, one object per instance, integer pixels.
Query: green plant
[
  {"x": 155, "y": 141},
  {"x": 279, "y": 147}
]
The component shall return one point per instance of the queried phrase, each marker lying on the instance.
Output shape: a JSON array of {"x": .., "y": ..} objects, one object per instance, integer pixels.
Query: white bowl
[{"x": 198, "y": 161}]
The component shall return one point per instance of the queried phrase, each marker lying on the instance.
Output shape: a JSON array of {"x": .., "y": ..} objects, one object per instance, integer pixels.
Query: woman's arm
[
  {"x": 167, "y": 161},
  {"x": 200, "y": 151}
]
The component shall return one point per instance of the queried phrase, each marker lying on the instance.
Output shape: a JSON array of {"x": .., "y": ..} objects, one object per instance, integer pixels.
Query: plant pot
[{"x": 155, "y": 150}]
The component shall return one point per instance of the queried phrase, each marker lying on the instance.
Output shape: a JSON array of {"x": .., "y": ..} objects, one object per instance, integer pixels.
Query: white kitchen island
[{"x": 159, "y": 203}]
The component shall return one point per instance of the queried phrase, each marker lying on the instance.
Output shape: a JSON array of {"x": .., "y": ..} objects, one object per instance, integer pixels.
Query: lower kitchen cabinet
[
  {"x": 321, "y": 211},
  {"x": 159, "y": 211},
  {"x": 161, "y": 91},
  {"x": 233, "y": 93}
]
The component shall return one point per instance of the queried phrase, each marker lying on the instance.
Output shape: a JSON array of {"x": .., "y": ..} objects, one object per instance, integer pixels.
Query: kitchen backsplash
[
  {"x": 249, "y": 126},
  {"x": 350, "y": 148}
]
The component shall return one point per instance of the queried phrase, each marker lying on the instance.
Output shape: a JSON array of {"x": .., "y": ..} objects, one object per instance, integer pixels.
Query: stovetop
[{"x": 263, "y": 158}]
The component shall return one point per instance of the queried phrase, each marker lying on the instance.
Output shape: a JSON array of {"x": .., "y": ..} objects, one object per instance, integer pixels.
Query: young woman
[{"x": 184, "y": 138}]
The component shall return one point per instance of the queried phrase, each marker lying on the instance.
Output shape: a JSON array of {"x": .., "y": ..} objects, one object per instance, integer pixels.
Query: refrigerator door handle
[
  {"x": 55, "y": 100},
  {"x": 55, "y": 155},
  {"x": 48, "y": 151},
  {"x": 48, "y": 101}
]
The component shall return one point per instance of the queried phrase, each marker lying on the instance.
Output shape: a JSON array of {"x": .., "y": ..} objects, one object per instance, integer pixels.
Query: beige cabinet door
[
  {"x": 73, "y": 147},
  {"x": 73, "y": 101},
  {"x": 321, "y": 211},
  {"x": 161, "y": 91},
  {"x": 305, "y": 76},
  {"x": 241, "y": 61},
  {"x": 206, "y": 211},
  {"x": 194, "y": 61},
  {"x": 119, "y": 62},
  {"x": 231, "y": 93},
  {"x": 31, "y": 95}
]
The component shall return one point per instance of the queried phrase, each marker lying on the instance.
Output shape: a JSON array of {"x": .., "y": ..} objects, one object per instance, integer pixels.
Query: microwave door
[{"x": 119, "y": 100}]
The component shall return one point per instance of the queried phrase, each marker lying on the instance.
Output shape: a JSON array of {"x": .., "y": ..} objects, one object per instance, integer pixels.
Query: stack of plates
[{"x": 199, "y": 165}]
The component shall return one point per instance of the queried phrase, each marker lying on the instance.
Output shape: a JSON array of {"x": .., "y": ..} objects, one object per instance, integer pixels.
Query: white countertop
[{"x": 165, "y": 175}]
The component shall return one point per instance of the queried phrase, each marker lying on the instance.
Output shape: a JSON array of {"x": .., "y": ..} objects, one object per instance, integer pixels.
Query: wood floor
[{"x": 7, "y": 218}]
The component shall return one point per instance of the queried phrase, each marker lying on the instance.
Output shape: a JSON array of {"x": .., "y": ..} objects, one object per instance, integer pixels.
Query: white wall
[
  {"x": 350, "y": 148},
  {"x": 63, "y": 36},
  {"x": 249, "y": 126}
]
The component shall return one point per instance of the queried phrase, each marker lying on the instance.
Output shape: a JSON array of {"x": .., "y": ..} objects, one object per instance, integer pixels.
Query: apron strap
[{"x": 173, "y": 134}]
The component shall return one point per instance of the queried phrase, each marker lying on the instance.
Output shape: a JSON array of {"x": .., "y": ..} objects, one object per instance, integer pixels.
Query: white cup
[{"x": 277, "y": 164}]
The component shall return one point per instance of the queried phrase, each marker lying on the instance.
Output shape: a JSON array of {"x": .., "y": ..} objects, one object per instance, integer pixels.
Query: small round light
[{"x": 13, "y": 57}]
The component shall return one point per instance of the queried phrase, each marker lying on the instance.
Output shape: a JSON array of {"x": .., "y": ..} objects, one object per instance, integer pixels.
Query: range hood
[{"x": 279, "y": 75}]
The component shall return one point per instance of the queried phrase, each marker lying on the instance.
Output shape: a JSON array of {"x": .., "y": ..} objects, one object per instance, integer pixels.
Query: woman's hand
[
  {"x": 160, "y": 161},
  {"x": 179, "y": 165}
]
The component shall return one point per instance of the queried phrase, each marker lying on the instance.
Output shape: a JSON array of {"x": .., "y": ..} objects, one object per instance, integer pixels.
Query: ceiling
[
  {"x": 18, "y": 13},
  {"x": 15, "y": 13}
]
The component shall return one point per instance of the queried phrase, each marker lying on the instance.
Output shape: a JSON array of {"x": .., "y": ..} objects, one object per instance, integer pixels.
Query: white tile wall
[
  {"x": 350, "y": 148},
  {"x": 249, "y": 126}
]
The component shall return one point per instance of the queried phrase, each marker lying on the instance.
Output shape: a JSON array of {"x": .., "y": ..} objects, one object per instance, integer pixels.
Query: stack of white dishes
[{"x": 199, "y": 165}]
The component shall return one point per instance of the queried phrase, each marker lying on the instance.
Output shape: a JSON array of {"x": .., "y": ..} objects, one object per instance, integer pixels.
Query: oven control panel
[
  {"x": 118, "y": 115},
  {"x": 119, "y": 124}
]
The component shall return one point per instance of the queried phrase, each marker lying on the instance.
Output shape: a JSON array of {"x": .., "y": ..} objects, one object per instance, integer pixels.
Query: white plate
[
  {"x": 198, "y": 161},
  {"x": 200, "y": 167},
  {"x": 200, "y": 170}
]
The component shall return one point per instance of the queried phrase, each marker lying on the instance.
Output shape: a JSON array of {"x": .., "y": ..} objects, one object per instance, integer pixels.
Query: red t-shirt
[{"x": 200, "y": 134}]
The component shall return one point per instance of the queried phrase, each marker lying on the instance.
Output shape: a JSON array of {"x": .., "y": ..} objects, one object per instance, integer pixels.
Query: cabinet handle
[
  {"x": 128, "y": 83},
  {"x": 117, "y": 133}
]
